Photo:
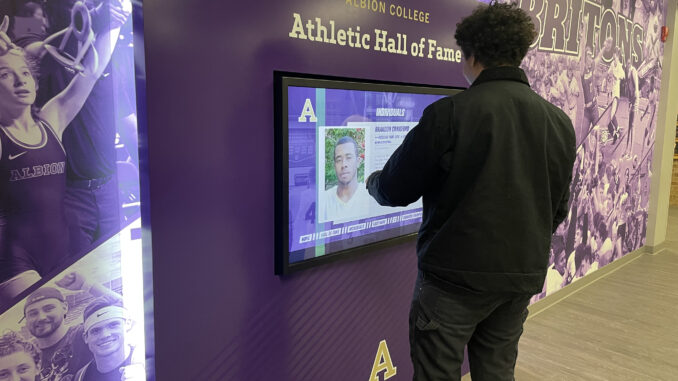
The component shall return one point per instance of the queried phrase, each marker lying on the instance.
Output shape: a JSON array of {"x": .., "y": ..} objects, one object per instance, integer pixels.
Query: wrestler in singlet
[{"x": 34, "y": 234}]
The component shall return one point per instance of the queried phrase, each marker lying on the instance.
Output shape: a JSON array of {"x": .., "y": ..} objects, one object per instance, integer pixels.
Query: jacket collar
[{"x": 510, "y": 73}]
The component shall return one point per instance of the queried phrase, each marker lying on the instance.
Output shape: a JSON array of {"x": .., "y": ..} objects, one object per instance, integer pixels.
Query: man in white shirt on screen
[{"x": 348, "y": 199}]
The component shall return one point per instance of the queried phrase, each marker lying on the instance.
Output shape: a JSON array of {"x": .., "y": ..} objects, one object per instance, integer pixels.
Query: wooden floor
[{"x": 623, "y": 326}]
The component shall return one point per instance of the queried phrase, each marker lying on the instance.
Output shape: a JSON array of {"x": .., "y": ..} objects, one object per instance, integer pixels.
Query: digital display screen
[{"x": 331, "y": 135}]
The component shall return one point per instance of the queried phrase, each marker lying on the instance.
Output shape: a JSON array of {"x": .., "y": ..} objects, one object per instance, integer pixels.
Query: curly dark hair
[
  {"x": 10, "y": 343},
  {"x": 496, "y": 34}
]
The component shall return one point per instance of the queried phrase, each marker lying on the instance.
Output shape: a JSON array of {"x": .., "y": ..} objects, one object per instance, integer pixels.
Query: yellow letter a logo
[
  {"x": 308, "y": 112},
  {"x": 382, "y": 362}
]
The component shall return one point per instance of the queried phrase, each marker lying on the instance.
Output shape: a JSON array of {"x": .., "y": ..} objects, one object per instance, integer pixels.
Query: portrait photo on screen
[{"x": 344, "y": 196}]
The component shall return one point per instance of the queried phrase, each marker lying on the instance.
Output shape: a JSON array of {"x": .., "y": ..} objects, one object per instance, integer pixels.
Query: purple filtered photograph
[
  {"x": 610, "y": 91},
  {"x": 337, "y": 138},
  {"x": 71, "y": 182}
]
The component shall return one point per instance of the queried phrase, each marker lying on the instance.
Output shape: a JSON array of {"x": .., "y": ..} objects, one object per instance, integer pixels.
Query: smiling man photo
[{"x": 106, "y": 330}]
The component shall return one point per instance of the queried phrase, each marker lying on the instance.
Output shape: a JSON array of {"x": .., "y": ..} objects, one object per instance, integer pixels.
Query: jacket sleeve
[
  {"x": 563, "y": 208},
  {"x": 412, "y": 166}
]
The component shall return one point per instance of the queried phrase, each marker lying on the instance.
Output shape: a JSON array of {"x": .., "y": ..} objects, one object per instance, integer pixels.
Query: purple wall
[{"x": 220, "y": 311}]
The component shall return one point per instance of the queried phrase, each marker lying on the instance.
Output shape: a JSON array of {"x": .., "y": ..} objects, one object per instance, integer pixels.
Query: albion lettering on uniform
[{"x": 37, "y": 171}]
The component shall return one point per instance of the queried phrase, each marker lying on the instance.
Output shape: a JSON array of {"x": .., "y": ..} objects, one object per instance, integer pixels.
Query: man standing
[
  {"x": 348, "y": 199},
  {"x": 588, "y": 66},
  {"x": 633, "y": 94},
  {"x": 92, "y": 199},
  {"x": 106, "y": 327},
  {"x": 493, "y": 165}
]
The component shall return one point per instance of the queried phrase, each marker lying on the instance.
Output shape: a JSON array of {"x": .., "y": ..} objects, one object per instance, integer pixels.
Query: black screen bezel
[{"x": 281, "y": 81}]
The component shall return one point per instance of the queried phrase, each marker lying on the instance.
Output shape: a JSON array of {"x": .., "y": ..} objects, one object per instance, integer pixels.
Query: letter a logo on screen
[
  {"x": 307, "y": 112},
  {"x": 382, "y": 362}
]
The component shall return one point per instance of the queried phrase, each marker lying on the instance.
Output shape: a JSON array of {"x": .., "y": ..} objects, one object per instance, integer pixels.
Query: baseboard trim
[
  {"x": 572, "y": 288},
  {"x": 654, "y": 250}
]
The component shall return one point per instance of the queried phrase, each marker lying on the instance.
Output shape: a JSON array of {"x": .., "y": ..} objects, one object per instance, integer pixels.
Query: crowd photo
[{"x": 612, "y": 100}]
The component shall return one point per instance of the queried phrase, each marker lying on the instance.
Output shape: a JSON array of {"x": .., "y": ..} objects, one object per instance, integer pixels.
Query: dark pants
[
  {"x": 443, "y": 321},
  {"x": 591, "y": 116},
  {"x": 93, "y": 213}
]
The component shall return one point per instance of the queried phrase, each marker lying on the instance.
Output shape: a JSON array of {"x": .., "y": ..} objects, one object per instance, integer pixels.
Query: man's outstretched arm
[{"x": 413, "y": 165}]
